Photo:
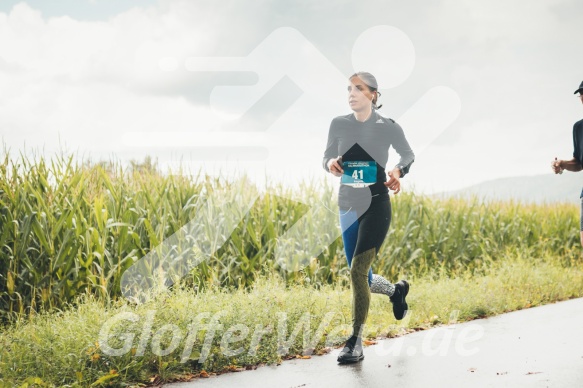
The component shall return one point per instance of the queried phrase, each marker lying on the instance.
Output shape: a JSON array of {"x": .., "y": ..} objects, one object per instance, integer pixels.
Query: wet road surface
[{"x": 537, "y": 347}]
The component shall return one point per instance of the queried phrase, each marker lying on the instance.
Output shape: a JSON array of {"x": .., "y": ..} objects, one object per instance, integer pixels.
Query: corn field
[{"x": 68, "y": 228}]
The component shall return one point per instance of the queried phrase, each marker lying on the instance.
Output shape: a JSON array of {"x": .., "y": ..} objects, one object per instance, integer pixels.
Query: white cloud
[
  {"x": 77, "y": 77},
  {"x": 513, "y": 65}
]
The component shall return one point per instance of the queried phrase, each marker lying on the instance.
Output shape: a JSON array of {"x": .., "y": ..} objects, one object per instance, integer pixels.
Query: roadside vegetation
[{"x": 69, "y": 230}]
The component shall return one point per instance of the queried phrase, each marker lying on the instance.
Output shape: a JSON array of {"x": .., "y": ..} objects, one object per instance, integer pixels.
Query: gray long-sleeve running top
[{"x": 366, "y": 141}]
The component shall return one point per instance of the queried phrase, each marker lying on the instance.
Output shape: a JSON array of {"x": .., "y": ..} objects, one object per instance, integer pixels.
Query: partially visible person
[{"x": 576, "y": 163}]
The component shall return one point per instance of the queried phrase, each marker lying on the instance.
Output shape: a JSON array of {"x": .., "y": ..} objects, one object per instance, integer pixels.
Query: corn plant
[{"x": 69, "y": 227}]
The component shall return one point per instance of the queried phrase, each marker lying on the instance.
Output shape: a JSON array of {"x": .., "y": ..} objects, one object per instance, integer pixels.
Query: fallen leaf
[
  {"x": 370, "y": 342},
  {"x": 104, "y": 379},
  {"x": 204, "y": 374}
]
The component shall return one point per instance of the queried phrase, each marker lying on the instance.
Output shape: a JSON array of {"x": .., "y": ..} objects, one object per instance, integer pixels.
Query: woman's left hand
[{"x": 394, "y": 183}]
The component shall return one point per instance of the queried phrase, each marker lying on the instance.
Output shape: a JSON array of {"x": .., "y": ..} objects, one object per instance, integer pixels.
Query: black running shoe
[
  {"x": 400, "y": 306},
  {"x": 352, "y": 351}
]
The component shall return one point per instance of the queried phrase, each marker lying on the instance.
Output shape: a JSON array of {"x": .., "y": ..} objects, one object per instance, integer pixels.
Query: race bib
[{"x": 359, "y": 173}]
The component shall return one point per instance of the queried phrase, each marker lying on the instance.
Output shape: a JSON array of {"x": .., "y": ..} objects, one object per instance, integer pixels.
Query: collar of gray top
[{"x": 374, "y": 117}]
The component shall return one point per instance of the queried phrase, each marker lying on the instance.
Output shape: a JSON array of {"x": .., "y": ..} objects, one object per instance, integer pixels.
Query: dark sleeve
[
  {"x": 576, "y": 143},
  {"x": 331, "y": 147},
  {"x": 401, "y": 145}
]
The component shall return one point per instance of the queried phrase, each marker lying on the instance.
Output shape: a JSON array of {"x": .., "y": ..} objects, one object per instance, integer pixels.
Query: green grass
[
  {"x": 61, "y": 348},
  {"x": 69, "y": 231}
]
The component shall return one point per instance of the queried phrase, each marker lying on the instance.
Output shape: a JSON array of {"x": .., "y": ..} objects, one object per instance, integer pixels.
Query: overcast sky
[{"x": 482, "y": 89}]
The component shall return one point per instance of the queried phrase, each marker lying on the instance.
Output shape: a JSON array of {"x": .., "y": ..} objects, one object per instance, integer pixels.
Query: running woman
[
  {"x": 357, "y": 152},
  {"x": 576, "y": 163}
]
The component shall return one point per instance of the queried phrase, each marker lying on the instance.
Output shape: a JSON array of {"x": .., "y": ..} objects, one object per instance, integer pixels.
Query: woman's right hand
[{"x": 335, "y": 167}]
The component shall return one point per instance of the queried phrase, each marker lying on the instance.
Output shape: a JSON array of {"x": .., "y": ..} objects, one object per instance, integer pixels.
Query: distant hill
[{"x": 537, "y": 188}]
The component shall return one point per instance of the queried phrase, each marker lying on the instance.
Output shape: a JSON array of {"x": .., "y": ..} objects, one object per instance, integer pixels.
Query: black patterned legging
[{"x": 363, "y": 236}]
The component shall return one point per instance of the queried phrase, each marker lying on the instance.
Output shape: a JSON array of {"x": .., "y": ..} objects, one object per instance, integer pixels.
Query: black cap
[{"x": 580, "y": 90}]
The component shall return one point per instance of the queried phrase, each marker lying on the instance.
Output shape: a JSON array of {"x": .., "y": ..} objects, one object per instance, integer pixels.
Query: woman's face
[{"x": 359, "y": 95}]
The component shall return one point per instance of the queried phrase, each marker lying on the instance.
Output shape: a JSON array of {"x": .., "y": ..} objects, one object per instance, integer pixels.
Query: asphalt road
[{"x": 538, "y": 347}]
